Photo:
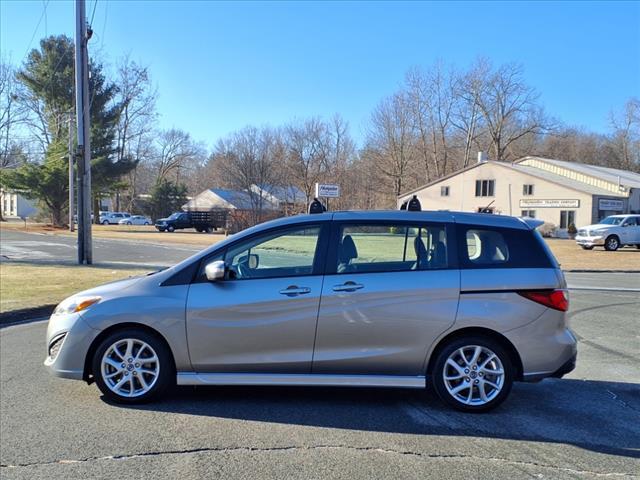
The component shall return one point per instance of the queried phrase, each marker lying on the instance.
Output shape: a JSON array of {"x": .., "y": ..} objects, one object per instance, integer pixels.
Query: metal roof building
[{"x": 558, "y": 192}]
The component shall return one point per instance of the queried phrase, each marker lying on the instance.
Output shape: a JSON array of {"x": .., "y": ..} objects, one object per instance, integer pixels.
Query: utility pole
[
  {"x": 71, "y": 179},
  {"x": 85, "y": 254}
]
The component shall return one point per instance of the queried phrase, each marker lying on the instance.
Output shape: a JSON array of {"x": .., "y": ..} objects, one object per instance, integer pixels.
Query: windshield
[
  {"x": 612, "y": 220},
  {"x": 174, "y": 216}
]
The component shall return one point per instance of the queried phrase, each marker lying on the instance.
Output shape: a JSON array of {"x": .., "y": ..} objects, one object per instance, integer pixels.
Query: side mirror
[{"x": 214, "y": 271}]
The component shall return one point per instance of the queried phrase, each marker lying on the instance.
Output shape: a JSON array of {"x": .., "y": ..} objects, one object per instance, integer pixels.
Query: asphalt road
[
  {"x": 584, "y": 426},
  {"x": 41, "y": 248}
]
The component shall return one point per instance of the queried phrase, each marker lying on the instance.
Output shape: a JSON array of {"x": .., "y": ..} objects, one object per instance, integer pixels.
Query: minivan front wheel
[
  {"x": 132, "y": 366},
  {"x": 473, "y": 374}
]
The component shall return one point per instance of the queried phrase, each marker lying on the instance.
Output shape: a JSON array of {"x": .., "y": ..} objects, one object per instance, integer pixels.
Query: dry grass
[
  {"x": 572, "y": 257},
  {"x": 27, "y": 286},
  {"x": 125, "y": 232}
]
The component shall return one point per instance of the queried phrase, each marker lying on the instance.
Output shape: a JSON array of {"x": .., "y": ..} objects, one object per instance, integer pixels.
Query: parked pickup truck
[
  {"x": 611, "y": 232},
  {"x": 205, "y": 222}
]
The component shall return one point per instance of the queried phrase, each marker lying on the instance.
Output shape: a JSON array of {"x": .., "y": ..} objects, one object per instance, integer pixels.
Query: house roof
[
  {"x": 534, "y": 172},
  {"x": 284, "y": 194},
  {"x": 625, "y": 177},
  {"x": 220, "y": 198}
]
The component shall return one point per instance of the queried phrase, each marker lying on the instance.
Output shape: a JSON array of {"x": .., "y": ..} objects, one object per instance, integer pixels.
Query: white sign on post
[{"x": 327, "y": 191}]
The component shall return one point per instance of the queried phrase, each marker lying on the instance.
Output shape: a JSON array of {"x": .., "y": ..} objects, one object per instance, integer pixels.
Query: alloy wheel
[
  {"x": 473, "y": 375},
  {"x": 130, "y": 367}
]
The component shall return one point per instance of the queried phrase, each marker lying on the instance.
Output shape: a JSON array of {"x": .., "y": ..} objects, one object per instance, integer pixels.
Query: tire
[
  {"x": 106, "y": 222},
  {"x": 638, "y": 246},
  {"x": 208, "y": 230},
  {"x": 461, "y": 376},
  {"x": 198, "y": 229},
  {"x": 170, "y": 228},
  {"x": 147, "y": 223},
  {"x": 612, "y": 243},
  {"x": 128, "y": 223},
  {"x": 586, "y": 247},
  {"x": 127, "y": 385}
]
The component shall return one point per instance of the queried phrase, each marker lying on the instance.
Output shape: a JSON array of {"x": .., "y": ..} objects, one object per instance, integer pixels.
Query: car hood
[
  {"x": 598, "y": 226},
  {"x": 162, "y": 220},
  {"x": 108, "y": 289}
]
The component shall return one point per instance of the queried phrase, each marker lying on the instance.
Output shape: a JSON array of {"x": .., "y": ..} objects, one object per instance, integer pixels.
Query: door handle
[
  {"x": 293, "y": 291},
  {"x": 348, "y": 287}
]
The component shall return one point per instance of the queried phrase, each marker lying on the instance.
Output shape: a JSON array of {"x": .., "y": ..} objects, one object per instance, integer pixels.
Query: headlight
[{"x": 75, "y": 304}]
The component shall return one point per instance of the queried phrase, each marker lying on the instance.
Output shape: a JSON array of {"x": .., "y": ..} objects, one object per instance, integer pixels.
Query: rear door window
[
  {"x": 391, "y": 248},
  {"x": 493, "y": 247}
]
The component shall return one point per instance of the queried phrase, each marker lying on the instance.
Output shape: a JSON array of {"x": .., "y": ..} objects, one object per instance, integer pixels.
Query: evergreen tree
[
  {"x": 48, "y": 75},
  {"x": 167, "y": 197},
  {"x": 46, "y": 182}
]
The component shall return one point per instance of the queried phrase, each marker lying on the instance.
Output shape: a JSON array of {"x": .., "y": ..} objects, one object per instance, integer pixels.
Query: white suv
[{"x": 611, "y": 232}]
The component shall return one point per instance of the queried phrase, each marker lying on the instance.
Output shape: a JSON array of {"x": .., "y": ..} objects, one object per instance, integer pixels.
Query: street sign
[{"x": 327, "y": 191}]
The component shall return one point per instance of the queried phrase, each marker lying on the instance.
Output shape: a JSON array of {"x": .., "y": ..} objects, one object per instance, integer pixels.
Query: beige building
[{"x": 555, "y": 191}]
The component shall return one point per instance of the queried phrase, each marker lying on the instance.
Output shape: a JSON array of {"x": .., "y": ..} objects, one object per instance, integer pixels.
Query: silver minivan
[{"x": 460, "y": 302}]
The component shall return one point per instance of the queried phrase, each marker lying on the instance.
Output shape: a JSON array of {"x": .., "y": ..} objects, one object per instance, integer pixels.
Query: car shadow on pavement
[{"x": 599, "y": 416}]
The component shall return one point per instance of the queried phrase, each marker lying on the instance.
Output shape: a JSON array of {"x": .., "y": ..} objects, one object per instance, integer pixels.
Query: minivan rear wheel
[
  {"x": 473, "y": 374},
  {"x": 132, "y": 366}
]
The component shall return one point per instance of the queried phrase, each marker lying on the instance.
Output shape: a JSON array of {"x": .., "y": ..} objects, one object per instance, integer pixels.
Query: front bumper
[
  {"x": 591, "y": 241},
  {"x": 70, "y": 358}
]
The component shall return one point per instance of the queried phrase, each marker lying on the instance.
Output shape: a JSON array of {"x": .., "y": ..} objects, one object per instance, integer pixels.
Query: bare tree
[
  {"x": 624, "y": 142},
  {"x": 174, "y": 150},
  {"x": 390, "y": 142},
  {"x": 509, "y": 108},
  {"x": 246, "y": 161},
  {"x": 308, "y": 154},
  {"x": 136, "y": 121},
  {"x": 12, "y": 114},
  {"x": 431, "y": 99}
]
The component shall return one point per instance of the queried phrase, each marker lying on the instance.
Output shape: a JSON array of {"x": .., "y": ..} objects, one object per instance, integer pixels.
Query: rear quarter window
[{"x": 491, "y": 247}]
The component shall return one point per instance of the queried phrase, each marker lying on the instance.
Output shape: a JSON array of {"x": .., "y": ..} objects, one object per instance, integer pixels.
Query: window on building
[
  {"x": 567, "y": 217},
  {"x": 527, "y": 189},
  {"x": 528, "y": 213},
  {"x": 485, "y": 188},
  {"x": 444, "y": 191}
]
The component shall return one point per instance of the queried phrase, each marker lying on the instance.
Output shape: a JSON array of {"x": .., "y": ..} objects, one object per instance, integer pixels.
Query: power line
[
  {"x": 44, "y": 12},
  {"x": 95, "y": 3}
]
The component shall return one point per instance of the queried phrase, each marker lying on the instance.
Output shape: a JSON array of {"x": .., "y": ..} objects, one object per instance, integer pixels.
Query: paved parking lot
[{"x": 584, "y": 426}]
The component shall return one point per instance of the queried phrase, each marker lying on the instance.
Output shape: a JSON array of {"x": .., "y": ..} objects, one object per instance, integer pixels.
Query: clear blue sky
[{"x": 221, "y": 66}]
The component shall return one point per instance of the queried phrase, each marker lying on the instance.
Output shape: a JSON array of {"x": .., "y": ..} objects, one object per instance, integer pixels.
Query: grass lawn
[
  {"x": 28, "y": 286},
  {"x": 146, "y": 233}
]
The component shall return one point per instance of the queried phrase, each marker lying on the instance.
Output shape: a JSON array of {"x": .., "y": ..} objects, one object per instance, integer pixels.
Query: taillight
[{"x": 556, "y": 299}]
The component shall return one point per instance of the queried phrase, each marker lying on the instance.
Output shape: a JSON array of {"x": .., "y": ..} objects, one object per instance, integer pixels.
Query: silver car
[{"x": 463, "y": 303}]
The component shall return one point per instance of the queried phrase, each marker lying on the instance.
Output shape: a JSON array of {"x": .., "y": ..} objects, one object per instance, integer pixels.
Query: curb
[{"x": 600, "y": 271}]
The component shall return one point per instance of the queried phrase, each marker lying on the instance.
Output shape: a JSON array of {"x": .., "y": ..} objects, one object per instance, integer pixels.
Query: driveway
[{"x": 584, "y": 426}]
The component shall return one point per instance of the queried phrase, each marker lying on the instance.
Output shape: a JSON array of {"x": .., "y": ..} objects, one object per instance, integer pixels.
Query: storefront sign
[
  {"x": 611, "y": 205},
  {"x": 549, "y": 203}
]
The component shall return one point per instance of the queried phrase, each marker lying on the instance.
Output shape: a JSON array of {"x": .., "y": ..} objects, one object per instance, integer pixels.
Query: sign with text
[
  {"x": 611, "y": 205},
  {"x": 549, "y": 203},
  {"x": 327, "y": 191}
]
